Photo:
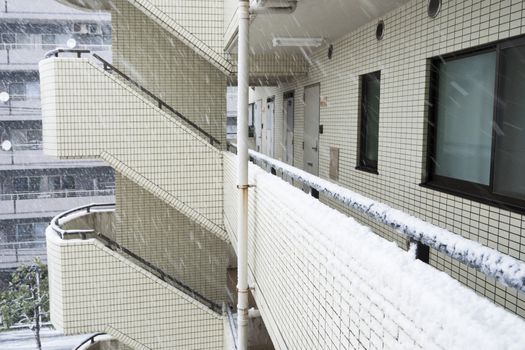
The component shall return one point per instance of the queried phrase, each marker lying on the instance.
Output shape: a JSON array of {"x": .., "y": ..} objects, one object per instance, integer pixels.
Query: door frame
[
  {"x": 258, "y": 136},
  {"x": 319, "y": 123},
  {"x": 289, "y": 95},
  {"x": 272, "y": 144}
]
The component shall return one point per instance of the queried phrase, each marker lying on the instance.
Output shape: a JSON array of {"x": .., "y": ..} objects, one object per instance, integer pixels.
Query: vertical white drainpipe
[{"x": 242, "y": 154}]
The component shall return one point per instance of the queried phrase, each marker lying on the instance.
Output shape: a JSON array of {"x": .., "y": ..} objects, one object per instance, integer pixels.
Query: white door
[
  {"x": 257, "y": 115},
  {"x": 250, "y": 119},
  {"x": 288, "y": 107},
  {"x": 268, "y": 126},
  {"x": 311, "y": 129}
]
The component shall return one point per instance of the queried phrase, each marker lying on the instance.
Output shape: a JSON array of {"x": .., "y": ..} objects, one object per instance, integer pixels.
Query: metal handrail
[
  {"x": 55, "y": 222},
  {"x": 56, "y": 52},
  {"x": 161, "y": 104},
  {"x": 17, "y": 46},
  {"x": 13, "y": 245},
  {"x": 163, "y": 275},
  {"x": 91, "y": 339},
  {"x": 56, "y": 194},
  {"x": 55, "y": 225},
  {"x": 502, "y": 267}
]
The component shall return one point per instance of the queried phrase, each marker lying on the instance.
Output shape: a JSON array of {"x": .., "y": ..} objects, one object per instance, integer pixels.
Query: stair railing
[
  {"x": 111, "y": 244},
  {"x": 108, "y": 67}
]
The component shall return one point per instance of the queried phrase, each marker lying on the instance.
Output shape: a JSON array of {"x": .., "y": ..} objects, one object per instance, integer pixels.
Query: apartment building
[
  {"x": 34, "y": 187},
  {"x": 402, "y": 116}
]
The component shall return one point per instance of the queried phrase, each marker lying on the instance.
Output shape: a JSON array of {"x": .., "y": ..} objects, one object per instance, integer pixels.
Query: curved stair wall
[{"x": 95, "y": 289}]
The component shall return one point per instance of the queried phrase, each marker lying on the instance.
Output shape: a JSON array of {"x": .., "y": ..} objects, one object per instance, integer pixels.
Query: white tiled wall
[
  {"x": 410, "y": 38},
  {"x": 202, "y": 19},
  {"x": 269, "y": 68},
  {"x": 230, "y": 19},
  {"x": 89, "y": 113},
  {"x": 196, "y": 23},
  {"x": 169, "y": 240},
  {"x": 169, "y": 68},
  {"x": 94, "y": 289},
  {"x": 316, "y": 291}
]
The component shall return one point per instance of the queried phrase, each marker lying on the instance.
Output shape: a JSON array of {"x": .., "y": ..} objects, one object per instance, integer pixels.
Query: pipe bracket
[{"x": 243, "y": 187}]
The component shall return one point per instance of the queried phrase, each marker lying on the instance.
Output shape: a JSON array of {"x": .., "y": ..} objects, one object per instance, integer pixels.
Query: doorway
[
  {"x": 311, "y": 128},
  {"x": 268, "y": 126},
  {"x": 257, "y": 121},
  {"x": 288, "y": 109}
]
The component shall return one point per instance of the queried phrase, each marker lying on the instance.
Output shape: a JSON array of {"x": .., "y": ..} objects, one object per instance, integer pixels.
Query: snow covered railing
[{"x": 503, "y": 268}]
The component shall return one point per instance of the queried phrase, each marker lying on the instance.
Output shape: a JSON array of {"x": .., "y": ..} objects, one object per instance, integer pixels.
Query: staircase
[
  {"x": 99, "y": 286},
  {"x": 112, "y": 118}
]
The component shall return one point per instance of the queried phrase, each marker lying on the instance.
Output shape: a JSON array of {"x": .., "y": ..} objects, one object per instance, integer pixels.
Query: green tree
[{"x": 26, "y": 299}]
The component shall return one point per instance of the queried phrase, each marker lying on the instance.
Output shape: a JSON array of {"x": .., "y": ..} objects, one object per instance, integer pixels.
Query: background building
[{"x": 35, "y": 187}]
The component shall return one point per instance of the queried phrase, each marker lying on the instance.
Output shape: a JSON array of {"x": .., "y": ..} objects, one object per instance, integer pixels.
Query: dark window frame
[
  {"x": 473, "y": 191},
  {"x": 32, "y": 184},
  {"x": 24, "y": 232},
  {"x": 363, "y": 163},
  {"x": 67, "y": 183},
  {"x": 64, "y": 183},
  {"x": 21, "y": 94}
]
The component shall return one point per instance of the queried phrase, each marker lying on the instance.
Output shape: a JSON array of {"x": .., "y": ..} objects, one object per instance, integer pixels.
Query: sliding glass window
[{"x": 477, "y": 128}]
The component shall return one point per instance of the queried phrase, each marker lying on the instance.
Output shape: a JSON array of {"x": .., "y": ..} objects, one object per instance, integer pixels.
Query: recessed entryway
[
  {"x": 288, "y": 110},
  {"x": 268, "y": 126},
  {"x": 311, "y": 128}
]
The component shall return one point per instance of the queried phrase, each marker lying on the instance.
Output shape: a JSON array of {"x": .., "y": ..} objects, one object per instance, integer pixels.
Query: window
[
  {"x": 30, "y": 232},
  {"x": 48, "y": 41},
  {"x": 24, "y": 40},
  {"x": 369, "y": 122},
  {"x": 34, "y": 136},
  {"x": 26, "y": 184},
  {"x": 92, "y": 28},
  {"x": 477, "y": 129},
  {"x": 32, "y": 89},
  {"x": 17, "y": 91},
  {"x": 40, "y": 230},
  {"x": 105, "y": 183},
  {"x": 24, "y": 232},
  {"x": 54, "y": 183},
  {"x": 59, "y": 183},
  {"x": 8, "y": 39},
  {"x": 68, "y": 182},
  {"x": 78, "y": 27}
]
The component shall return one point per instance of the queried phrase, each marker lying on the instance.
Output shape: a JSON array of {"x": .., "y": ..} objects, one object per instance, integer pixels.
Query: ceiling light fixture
[{"x": 297, "y": 42}]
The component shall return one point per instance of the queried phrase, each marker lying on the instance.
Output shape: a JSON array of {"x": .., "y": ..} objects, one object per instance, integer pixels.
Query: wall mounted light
[
  {"x": 380, "y": 30},
  {"x": 330, "y": 51},
  {"x": 433, "y": 8}
]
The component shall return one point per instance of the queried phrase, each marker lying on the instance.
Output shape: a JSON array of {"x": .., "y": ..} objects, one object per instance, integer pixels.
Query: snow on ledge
[
  {"x": 440, "y": 311},
  {"x": 504, "y": 268}
]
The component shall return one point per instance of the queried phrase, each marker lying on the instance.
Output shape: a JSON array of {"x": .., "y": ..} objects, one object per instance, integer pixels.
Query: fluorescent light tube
[{"x": 298, "y": 42}]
